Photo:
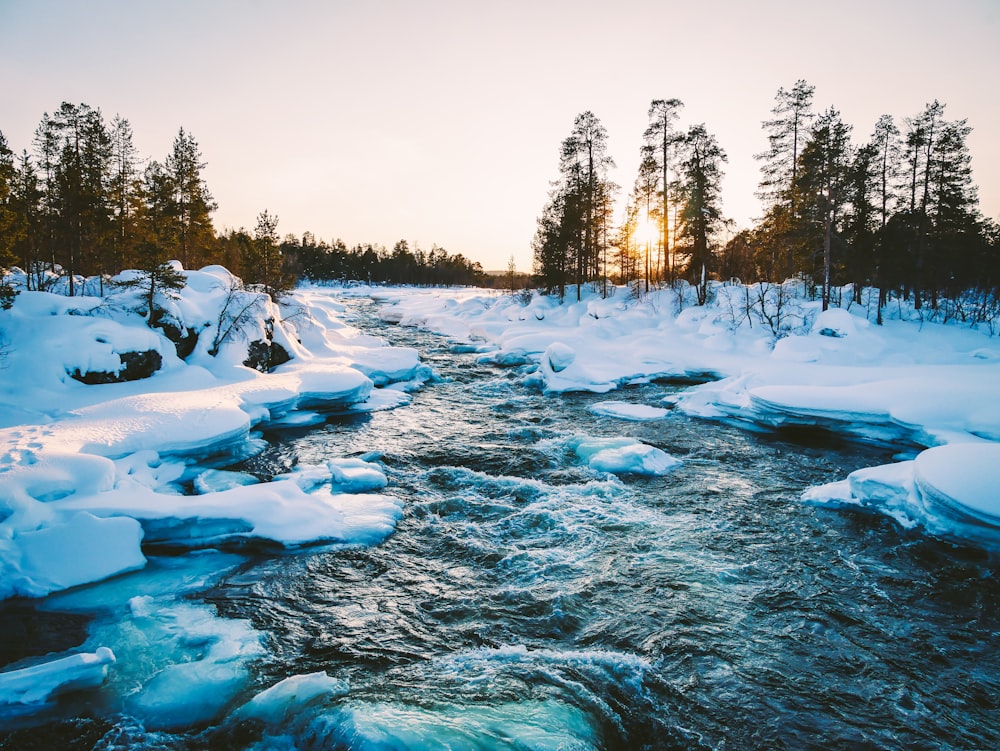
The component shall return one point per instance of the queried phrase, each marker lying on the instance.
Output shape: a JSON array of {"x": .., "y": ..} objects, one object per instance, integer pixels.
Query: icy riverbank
[
  {"x": 99, "y": 460},
  {"x": 768, "y": 363}
]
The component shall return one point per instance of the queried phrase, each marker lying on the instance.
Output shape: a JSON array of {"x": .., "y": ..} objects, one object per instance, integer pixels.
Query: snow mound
[{"x": 964, "y": 478}]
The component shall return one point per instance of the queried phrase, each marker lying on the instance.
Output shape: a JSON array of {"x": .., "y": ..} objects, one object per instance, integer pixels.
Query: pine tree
[
  {"x": 192, "y": 203},
  {"x": 648, "y": 211},
  {"x": 700, "y": 185},
  {"x": 823, "y": 184},
  {"x": 123, "y": 192},
  {"x": 787, "y": 132},
  {"x": 267, "y": 271},
  {"x": 861, "y": 221},
  {"x": 574, "y": 229},
  {"x": 661, "y": 139},
  {"x": 25, "y": 202},
  {"x": 75, "y": 149},
  {"x": 157, "y": 277},
  {"x": 8, "y": 217}
]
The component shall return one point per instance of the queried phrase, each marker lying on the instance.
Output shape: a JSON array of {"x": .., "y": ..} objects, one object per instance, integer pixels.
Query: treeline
[
  {"x": 898, "y": 211},
  {"x": 83, "y": 203},
  {"x": 320, "y": 261}
]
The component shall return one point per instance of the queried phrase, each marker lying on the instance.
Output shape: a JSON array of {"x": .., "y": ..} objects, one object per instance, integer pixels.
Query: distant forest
[
  {"x": 898, "y": 211},
  {"x": 84, "y": 203}
]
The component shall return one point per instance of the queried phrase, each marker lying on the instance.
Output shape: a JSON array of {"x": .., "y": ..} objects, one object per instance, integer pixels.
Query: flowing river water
[{"x": 528, "y": 602}]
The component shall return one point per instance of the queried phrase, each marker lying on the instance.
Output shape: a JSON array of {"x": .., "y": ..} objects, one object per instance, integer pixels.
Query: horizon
[{"x": 441, "y": 124}]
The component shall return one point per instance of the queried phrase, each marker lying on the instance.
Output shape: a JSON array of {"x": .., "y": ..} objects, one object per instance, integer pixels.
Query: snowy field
[{"x": 90, "y": 471}]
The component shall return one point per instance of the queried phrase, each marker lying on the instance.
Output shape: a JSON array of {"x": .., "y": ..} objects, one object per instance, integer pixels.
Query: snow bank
[
  {"x": 949, "y": 491},
  {"x": 89, "y": 473}
]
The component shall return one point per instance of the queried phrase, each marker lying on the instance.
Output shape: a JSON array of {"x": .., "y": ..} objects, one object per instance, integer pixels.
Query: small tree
[
  {"x": 157, "y": 276},
  {"x": 266, "y": 268}
]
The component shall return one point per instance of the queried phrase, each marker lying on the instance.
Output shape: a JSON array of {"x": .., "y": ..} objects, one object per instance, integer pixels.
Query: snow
[
  {"x": 966, "y": 472},
  {"x": 91, "y": 472}
]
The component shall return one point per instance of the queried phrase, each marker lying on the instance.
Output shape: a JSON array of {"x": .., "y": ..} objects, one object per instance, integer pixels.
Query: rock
[{"x": 135, "y": 365}]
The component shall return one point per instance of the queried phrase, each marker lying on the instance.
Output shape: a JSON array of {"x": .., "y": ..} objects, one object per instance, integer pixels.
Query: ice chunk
[
  {"x": 38, "y": 684},
  {"x": 356, "y": 475},
  {"x": 217, "y": 480},
  {"x": 623, "y": 456},
  {"x": 199, "y": 661},
  {"x": 278, "y": 704},
  {"x": 536, "y": 725},
  {"x": 628, "y": 411}
]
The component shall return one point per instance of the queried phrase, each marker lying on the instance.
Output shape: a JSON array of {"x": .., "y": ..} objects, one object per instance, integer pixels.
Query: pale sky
[{"x": 439, "y": 121}]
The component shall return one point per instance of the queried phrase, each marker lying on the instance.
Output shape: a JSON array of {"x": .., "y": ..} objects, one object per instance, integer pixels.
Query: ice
[
  {"x": 517, "y": 726},
  {"x": 217, "y": 480},
  {"x": 622, "y": 455},
  {"x": 948, "y": 491},
  {"x": 37, "y": 684},
  {"x": 278, "y": 704},
  {"x": 356, "y": 475},
  {"x": 628, "y": 410}
]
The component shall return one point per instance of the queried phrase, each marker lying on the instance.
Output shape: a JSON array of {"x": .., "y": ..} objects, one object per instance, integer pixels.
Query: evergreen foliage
[{"x": 573, "y": 236}]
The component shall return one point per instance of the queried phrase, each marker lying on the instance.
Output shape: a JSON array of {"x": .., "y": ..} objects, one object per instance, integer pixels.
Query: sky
[{"x": 439, "y": 121}]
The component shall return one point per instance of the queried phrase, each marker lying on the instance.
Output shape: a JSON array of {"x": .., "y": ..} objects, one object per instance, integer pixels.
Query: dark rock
[
  {"x": 265, "y": 356},
  {"x": 135, "y": 365},
  {"x": 184, "y": 339}
]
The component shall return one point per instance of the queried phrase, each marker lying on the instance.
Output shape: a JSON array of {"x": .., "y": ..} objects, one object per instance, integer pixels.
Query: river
[{"x": 526, "y": 601}]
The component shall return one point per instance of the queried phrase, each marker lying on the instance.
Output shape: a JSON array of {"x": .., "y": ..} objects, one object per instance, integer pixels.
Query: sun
[{"x": 647, "y": 230}]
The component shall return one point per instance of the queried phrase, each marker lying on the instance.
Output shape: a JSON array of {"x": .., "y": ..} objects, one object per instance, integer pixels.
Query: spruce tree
[
  {"x": 661, "y": 139},
  {"x": 700, "y": 186},
  {"x": 192, "y": 203},
  {"x": 823, "y": 186},
  {"x": 787, "y": 132}
]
